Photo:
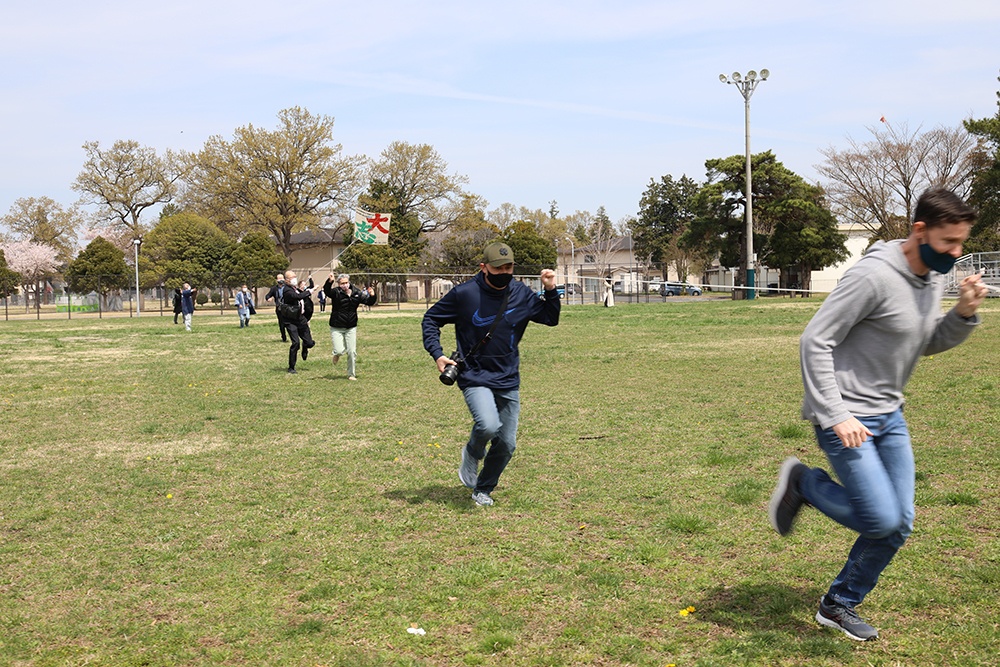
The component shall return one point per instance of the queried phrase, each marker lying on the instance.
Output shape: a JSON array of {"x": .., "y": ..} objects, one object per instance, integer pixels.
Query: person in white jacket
[{"x": 857, "y": 354}]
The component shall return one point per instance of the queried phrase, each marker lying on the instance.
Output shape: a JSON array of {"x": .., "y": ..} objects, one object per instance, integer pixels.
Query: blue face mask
[{"x": 937, "y": 261}]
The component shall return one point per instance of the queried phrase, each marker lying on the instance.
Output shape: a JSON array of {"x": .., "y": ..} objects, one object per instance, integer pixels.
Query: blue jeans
[
  {"x": 875, "y": 498},
  {"x": 494, "y": 418}
]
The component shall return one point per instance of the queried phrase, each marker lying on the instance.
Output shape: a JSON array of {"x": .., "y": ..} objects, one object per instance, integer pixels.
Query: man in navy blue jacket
[{"x": 489, "y": 378}]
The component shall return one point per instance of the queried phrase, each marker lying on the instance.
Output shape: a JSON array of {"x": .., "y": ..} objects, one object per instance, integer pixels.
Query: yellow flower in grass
[{"x": 683, "y": 612}]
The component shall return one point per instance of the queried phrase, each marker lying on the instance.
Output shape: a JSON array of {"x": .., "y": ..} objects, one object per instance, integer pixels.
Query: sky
[{"x": 579, "y": 102}]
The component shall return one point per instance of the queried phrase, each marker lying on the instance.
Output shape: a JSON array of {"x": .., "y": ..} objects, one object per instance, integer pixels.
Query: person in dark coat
[
  {"x": 177, "y": 303},
  {"x": 293, "y": 313},
  {"x": 187, "y": 304},
  {"x": 490, "y": 313},
  {"x": 344, "y": 301},
  {"x": 279, "y": 282}
]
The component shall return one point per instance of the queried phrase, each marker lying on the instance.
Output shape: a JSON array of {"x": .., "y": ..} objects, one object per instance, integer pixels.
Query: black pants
[
  {"x": 281, "y": 326},
  {"x": 296, "y": 331}
]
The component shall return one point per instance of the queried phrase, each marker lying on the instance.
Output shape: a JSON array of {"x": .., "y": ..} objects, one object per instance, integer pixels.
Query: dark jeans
[{"x": 297, "y": 331}]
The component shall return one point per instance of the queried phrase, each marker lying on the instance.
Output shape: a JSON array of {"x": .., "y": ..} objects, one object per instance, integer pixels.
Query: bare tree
[
  {"x": 604, "y": 241},
  {"x": 876, "y": 184},
  {"x": 280, "y": 181},
  {"x": 416, "y": 177},
  {"x": 125, "y": 180}
]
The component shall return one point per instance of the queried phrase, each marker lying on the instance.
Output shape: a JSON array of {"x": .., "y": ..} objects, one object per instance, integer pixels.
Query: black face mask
[
  {"x": 936, "y": 261},
  {"x": 499, "y": 280}
]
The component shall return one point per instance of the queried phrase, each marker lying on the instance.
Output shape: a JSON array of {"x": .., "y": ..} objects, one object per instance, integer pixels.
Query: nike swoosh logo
[{"x": 479, "y": 321}]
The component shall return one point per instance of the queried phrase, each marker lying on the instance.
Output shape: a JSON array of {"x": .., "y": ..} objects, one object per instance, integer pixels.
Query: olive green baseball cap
[{"x": 498, "y": 254}]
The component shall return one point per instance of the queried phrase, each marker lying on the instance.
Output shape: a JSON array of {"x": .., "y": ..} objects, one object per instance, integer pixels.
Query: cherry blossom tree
[{"x": 34, "y": 261}]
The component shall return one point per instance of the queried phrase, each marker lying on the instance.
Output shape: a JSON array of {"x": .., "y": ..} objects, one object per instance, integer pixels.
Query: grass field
[{"x": 178, "y": 499}]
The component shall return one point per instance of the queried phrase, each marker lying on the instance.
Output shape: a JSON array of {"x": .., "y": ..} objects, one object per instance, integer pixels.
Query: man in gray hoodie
[{"x": 857, "y": 354}]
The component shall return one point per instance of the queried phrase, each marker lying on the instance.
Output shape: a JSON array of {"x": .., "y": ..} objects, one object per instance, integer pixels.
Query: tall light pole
[
  {"x": 138, "y": 302},
  {"x": 572, "y": 254},
  {"x": 746, "y": 85}
]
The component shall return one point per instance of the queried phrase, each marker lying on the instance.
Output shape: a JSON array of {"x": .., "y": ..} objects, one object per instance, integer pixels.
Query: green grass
[{"x": 171, "y": 498}]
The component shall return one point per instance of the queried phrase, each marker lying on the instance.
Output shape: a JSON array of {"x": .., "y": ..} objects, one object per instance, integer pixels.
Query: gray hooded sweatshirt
[{"x": 864, "y": 342}]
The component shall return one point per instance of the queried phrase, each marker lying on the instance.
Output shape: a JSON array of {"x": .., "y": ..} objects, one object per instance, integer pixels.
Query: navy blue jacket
[{"x": 472, "y": 307}]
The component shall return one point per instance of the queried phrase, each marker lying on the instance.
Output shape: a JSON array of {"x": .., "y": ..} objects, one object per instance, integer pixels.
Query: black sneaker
[
  {"x": 305, "y": 353},
  {"x": 786, "y": 501},
  {"x": 292, "y": 371},
  {"x": 834, "y": 615}
]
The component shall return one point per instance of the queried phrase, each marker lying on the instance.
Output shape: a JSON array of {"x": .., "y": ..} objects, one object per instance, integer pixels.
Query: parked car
[
  {"x": 561, "y": 289},
  {"x": 675, "y": 289}
]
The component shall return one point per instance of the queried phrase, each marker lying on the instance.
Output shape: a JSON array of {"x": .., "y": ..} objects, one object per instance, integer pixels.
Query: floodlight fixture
[
  {"x": 764, "y": 74},
  {"x": 723, "y": 78},
  {"x": 737, "y": 77}
]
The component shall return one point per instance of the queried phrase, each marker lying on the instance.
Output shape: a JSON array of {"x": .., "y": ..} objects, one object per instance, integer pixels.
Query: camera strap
[{"x": 493, "y": 327}]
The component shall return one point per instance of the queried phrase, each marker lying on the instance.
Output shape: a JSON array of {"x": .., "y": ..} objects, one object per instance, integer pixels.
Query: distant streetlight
[
  {"x": 136, "y": 242},
  {"x": 746, "y": 85},
  {"x": 572, "y": 254}
]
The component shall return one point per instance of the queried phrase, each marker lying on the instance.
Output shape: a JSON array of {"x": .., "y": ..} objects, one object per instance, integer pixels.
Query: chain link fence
[{"x": 53, "y": 299}]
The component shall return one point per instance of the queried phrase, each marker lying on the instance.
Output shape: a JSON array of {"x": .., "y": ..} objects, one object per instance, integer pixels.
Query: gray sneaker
[
  {"x": 786, "y": 501},
  {"x": 468, "y": 472},
  {"x": 482, "y": 499},
  {"x": 834, "y": 615}
]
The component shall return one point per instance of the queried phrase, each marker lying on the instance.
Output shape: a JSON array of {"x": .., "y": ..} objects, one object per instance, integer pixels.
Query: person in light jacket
[{"x": 244, "y": 302}]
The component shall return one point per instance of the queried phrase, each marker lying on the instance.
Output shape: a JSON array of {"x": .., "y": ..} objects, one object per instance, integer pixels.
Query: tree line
[{"x": 234, "y": 206}]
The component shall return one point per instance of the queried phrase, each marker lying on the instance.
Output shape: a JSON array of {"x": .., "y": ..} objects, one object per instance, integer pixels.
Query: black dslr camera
[{"x": 450, "y": 373}]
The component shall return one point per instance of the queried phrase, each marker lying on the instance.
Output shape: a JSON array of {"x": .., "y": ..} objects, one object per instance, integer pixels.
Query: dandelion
[
  {"x": 683, "y": 612},
  {"x": 169, "y": 496},
  {"x": 690, "y": 610},
  {"x": 400, "y": 442}
]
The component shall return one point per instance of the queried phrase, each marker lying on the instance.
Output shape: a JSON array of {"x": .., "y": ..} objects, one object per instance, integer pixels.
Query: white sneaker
[
  {"x": 482, "y": 499},
  {"x": 468, "y": 472}
]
